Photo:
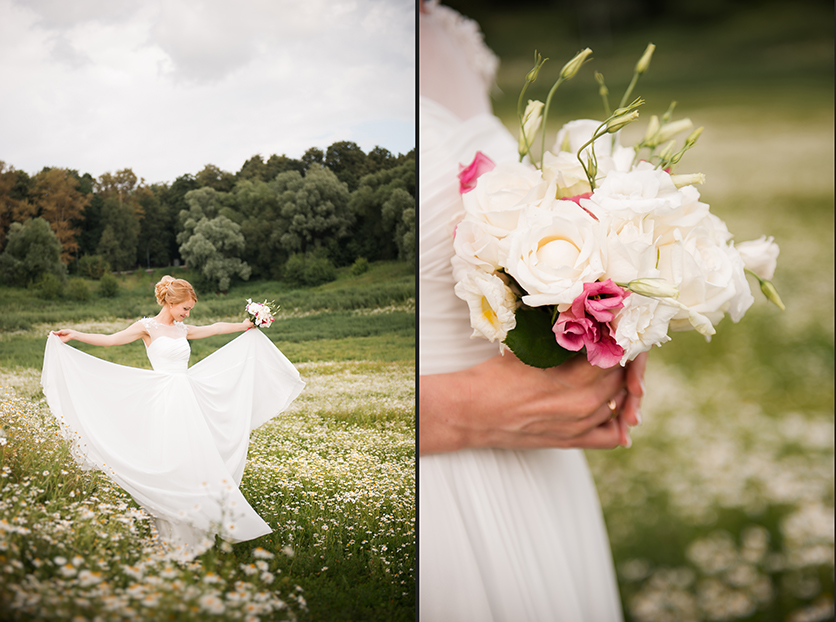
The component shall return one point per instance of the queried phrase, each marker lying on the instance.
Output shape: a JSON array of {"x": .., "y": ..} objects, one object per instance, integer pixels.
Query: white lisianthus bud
[
  {"x": 572, "y": 67},
  {"x": 667, "y": 151},
  {"x": 616, "y": 123},
  {"x": 603, "y": 91},
  {"x": 687, "y": 180},
  {"x": 652, "y": 129},
  {"x": 693, "y": 136},
  {"x": 669, "y": 130},
  {"x": 652, "y": 287},
  {"x": 697, "y": 320},
  {"x": 771, "y": 294},
  {"x": 530, "y": 124},
  {"x": 644, "y": 61}
]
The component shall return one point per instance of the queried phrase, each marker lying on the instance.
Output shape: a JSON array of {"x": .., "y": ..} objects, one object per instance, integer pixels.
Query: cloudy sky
[{"x": 164, "y": 87}]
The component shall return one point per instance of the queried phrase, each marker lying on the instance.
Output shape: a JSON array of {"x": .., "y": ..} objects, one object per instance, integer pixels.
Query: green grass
[{"x": 333, "y": 476}]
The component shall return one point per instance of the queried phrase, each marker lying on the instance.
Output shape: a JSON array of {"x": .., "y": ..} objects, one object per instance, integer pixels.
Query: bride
[
  {"x": 510, "y": 527},
  {"x": 174, "y": 438}
]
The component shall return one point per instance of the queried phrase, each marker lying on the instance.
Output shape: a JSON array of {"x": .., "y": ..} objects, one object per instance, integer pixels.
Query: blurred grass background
[{"x": 723, "y": 507}]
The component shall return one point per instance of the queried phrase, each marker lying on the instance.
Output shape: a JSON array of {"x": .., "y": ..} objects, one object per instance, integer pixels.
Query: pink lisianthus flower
[
  {"x": 468, "y": 175},
  {"x": 586, "y": 323},
  {"x": 575, "y": 333},
  {"x": 599, "y": 300}
]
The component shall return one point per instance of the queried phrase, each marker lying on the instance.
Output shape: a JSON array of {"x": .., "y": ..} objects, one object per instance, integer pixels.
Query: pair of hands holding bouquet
[{"x": 593, "y": 248}]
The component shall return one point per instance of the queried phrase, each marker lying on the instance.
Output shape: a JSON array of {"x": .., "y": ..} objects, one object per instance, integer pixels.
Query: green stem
[
  {"x": 545, "y": 118},
  {"x": 629, "y": 90}
]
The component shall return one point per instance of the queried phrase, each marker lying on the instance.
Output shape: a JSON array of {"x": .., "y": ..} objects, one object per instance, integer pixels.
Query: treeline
[{"x": 280, "y": 218}]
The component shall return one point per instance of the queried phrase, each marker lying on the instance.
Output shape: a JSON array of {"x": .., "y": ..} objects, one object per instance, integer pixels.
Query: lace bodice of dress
[{"x": 169, "y": 349}]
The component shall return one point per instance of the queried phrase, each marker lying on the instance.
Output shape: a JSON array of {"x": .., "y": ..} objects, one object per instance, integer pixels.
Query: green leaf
[{"x": 533, "y": 342}]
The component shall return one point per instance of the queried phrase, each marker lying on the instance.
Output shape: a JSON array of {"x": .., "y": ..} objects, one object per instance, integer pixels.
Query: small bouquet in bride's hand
[
  {"x": 260, "y": 313},
  {"x": 599, "y": 247}
]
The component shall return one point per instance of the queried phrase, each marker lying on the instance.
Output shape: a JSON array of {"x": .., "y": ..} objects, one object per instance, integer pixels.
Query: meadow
[
  {"x": 723, "y": 508},
  {"x": 333, "y": 476}
]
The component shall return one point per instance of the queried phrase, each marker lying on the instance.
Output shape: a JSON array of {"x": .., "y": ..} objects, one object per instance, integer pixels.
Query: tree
[
  {"x": 379, "y": 159},
  {"x": 314, "y": 207},
  {"x": 14, "y": 199},
  {"x": 313, "y": 156},
  {"x": 121, "y": 214},
  {"x": 279, "y": 164},
  {"x": 213, "y": 177},
  {"x": 120, "y": 235},
  {"x": 347, "y": 161},
  {"x": 32, "y": 250},
  {"x": 377, "y": 215},
  {"x": 155, "y": 232},
  {"x": 59, "y": 202},
  {"x": 262, "y": 227},
  {"x": 211, "y": 243},
  {"x": 174, "y": 199},
  {"x": 254, "y": 168}
]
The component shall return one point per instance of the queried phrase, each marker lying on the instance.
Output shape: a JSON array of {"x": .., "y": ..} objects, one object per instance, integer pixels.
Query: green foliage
[
  {"x": 77, "y": 290},
  {"x": 93, "y": 266},
  {"x": 360, "y": 266},
  {"x": 120, "y": 234},
  {"x": 309, "y": 270},
  {"x": 347, "y": 161},
  {"x": 32, "y": 250},
  {"x": 527, "y": 343},
  {"x": 155, "y": 234},
  {"x": 315, "y": 208},
  {"x": 211, "y": 243},
  {"x": 383, "y": 208},
  {"x": 49, "y": 286},
  {"x": 108, "y": 286},
  {"x": 319, "y": 270}
]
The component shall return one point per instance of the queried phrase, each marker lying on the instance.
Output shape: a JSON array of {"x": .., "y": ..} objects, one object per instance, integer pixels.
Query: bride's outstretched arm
[
  {"x": 131, "y": 333},
  {"x": 505, "y": 403},
  {"x": 218, "y": 328}
]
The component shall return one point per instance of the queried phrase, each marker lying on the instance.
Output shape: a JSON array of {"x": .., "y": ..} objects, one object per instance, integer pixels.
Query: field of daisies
[{"x": 333, "y": 476}]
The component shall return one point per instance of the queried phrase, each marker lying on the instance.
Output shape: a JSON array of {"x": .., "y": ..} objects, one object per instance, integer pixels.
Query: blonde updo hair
[{"x": 173, "y": 291}]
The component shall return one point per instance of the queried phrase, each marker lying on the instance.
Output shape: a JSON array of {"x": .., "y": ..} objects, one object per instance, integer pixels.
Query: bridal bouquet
[
  {"x": 600, "y": 247},
  {"x": 260, "y": 313}
]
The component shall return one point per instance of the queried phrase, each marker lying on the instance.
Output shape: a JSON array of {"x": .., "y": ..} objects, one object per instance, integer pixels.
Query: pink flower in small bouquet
[
  {"x": 468, "y": 175},
  {"x": 260, "y": 313},
  {"x": 586, "y": 324}
]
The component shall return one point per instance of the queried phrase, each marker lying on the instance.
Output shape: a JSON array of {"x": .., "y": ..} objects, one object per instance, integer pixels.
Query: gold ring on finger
[{"x": 613, "y": 412}]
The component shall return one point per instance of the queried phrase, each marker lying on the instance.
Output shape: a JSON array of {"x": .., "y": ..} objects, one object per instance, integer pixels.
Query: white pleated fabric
[
  {"x": 174, "y": 438},
  {"x": 503, "y": 535}
]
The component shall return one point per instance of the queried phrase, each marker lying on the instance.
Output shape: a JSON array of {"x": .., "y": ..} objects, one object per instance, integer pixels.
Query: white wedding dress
[
  {"x": 175, "y": 438},
  {"x": 503, "y": 535}
]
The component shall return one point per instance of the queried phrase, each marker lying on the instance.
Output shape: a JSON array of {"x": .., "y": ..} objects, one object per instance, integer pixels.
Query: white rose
[
  {"x": 478, "y": 247},
  {"x": 554, "y": 251},
  {"x": 760, "y": 256},
  {"x": 631, "y": 252},
  {"x": 637, "y": 193},
  {"x": 709, "y": 275},
  {"x": 641, "y": 324},
  {"x": 575, "y": 134},
  {"x": 566, "y": 171},
  {"x": 563, "y": 165},
  {"x": 491, "y": 303},
  {"x": 501, "y": 194}
]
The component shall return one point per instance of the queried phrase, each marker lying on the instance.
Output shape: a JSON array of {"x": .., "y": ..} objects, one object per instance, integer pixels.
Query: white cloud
[{"x": 168, "y": 86}]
